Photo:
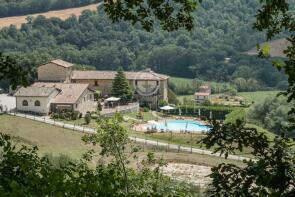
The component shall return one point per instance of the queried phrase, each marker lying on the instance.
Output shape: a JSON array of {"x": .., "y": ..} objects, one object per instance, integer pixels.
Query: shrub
[
  {"x": 146, "y": 109},
  {"x": 61, "y": 115},
  {"x": 68, "y": 115},
  {"x": 80, "y": 115},
  {"x": 87, "y": 118},
  {"x": 54, "y": 116},
  {"x": 94, "y": 116},
  {"x": 75, "y": 115},
  {"x": 162, "y": 103}
]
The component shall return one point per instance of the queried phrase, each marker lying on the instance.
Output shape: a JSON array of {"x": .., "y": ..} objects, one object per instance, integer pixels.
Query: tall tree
[
  {"x": 9, "y": 70},
  {"x": 121, "y": 87}
]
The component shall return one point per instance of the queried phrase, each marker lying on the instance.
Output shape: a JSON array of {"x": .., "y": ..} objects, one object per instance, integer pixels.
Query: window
[
  {"x": 95, "y": 83},
  {"x": 37, "y": 103},
  {"x": 25, "y": 103}
]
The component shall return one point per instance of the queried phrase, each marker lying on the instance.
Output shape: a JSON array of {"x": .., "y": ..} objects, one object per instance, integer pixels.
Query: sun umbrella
[{"x": 166, "y": 108}]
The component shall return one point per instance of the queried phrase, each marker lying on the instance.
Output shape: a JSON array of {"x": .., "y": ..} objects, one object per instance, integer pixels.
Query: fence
[
  {"x": 144, "y": 143},
  {"x": 54, "y": 122},
  {"x": 131, "y": 107}
]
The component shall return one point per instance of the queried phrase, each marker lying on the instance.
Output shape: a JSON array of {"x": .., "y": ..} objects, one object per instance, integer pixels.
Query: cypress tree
[{"x": 121, "y": 87}]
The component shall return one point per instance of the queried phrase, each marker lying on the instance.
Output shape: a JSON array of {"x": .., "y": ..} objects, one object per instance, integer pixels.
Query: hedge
[{"x": 218, "y": 112}]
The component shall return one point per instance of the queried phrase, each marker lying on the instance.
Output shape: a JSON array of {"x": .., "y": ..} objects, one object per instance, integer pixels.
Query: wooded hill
[{"x": 223, "y": 30}]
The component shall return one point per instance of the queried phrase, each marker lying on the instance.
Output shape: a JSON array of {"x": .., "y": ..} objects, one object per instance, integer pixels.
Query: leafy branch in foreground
[
  {"x": 276, "y": 17},
  {"x": 24, "y": 173},
  {"x": 270, "y": 173},
  {"x": 171, "y": 15}
]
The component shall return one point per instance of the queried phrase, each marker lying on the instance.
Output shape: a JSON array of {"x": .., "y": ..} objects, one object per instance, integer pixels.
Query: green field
[
  {"x": 185, "y": 81},
  {"x": 56, "y": 140},
  {"x": 258, "y": 96},
  {"x": 48, "y": 138}
]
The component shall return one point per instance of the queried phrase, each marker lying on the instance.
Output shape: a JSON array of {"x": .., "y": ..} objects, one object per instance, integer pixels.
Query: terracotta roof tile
[
  {"x": 110, "y": 75},
  {"x": 35, "y": 91},
  {"x": 70, "y": 92},
  {"x": 202, "y": 94}
]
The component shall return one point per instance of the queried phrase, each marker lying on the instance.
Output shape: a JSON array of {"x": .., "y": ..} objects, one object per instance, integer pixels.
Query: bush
[
  {"x": 54, "y": 116},
  {"x": 146, "y": 109},
  {"x": 61, "y": 115},
  {"x": 68, "y": 115},
  {"x": 75, "y": 115},
  {"x": 94, "y": 116},
  {"x": 80, "y": 115},
  {"x": 162, "y": 103},
  {"x": 87, "y": 118}
]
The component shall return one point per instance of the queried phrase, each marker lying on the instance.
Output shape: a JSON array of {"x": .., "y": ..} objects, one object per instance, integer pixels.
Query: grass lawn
[
  {"x": 269, "y": 134},
  {"x": 258, "y": 96},
  {"x": 182, "y": 139},
  {"x": 48, "y": 138},
  {"x": 55, "y": 140},
  {"x": 146, "y": 115}
]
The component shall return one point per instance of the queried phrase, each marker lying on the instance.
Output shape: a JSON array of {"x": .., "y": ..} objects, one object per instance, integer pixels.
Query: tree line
[
  {"x": 223, "y": 30},
  {"x": 24, "y": 7}
]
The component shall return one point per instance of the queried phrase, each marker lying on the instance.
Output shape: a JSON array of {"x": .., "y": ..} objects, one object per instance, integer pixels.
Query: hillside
[
  {"x": 277, "y": 48},
  {"x": 62, "y": 14},
  {"x": 10, "y": 8},
  {"x": 223, "y": 30}
]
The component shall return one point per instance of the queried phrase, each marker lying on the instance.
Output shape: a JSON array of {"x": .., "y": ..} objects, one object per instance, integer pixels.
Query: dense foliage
[
  {"x": 24, "y": 7},
  {"x": 272, "y": 114},
  {"x": 11, "y": 73},
  {"x": 24, "y": 173},
  {"x": 222, "y": 29},
  {"x": 270, "y": 174}
]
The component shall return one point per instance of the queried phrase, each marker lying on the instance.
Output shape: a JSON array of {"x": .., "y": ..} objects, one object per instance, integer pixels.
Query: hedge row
[{"x": 218, "y": 112}]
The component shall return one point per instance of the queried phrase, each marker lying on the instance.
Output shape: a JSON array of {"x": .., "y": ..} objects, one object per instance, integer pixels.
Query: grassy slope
[
  {"x": 49, "y": 139},
  {"x": 57, "y": 140},
  {"x": 258, "y": 96}
]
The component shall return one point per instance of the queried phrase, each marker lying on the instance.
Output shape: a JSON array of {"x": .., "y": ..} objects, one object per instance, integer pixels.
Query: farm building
[
  {"x": 149, "y": 87},
  {"x": 42, "y": 98}
]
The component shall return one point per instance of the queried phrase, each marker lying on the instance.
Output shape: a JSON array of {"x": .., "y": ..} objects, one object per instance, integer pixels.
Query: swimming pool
[{"x": 179, "y": 125}]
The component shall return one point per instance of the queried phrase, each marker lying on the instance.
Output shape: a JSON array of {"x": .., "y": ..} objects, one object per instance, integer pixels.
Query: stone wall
[{"x": 53, "y": 72}]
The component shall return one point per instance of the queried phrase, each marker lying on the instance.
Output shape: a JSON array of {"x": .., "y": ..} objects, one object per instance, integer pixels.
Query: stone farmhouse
[{"x": 59, "y": 87}]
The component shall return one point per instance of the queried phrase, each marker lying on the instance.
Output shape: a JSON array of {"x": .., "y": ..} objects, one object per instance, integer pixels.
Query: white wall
[{"x": 86, "y": 103}]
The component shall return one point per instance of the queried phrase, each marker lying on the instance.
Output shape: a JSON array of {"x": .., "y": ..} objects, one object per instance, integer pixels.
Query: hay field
[{"x": 62, "y": 14}]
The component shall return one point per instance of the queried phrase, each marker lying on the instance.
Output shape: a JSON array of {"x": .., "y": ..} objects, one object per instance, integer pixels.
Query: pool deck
[{"x": 142, "y": 127}]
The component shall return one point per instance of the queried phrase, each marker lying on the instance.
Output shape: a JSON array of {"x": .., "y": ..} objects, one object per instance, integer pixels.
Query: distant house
[
  {"x": 43, "y": 97},
  {"x": 203, "y": 94}
]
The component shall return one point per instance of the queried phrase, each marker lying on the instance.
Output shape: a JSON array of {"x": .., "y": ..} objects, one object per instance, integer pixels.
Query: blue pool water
[{"x": 180, "y": 125}]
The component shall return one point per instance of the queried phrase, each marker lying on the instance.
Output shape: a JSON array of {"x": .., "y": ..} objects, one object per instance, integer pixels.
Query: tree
[
  {"x": 272, "y": 171},
  {"x": 269, "y": 173},
  {"x": 148, "y": 13},
  {"x": 24, "y": 173},
  {"x": 121, "y": 87},
  {"x": 9, "y": 70}
]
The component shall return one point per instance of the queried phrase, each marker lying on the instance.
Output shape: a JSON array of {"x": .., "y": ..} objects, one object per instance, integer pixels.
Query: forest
[
  {"x": 23, "y": 7},
  {"x": 213, "y": 51}
]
